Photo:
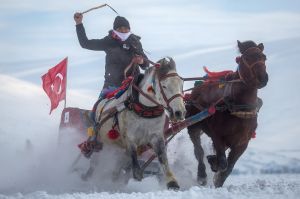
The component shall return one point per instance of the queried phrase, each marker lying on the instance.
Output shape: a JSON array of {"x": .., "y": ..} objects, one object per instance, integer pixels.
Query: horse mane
[
  {"x": 243, "y": 46},
  {"x": 166, "y": 65}
]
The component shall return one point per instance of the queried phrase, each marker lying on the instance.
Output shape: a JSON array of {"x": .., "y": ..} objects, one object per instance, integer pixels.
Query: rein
[
  {"x": 243, "y": 111},
  {"x": 145, "y": 95},
  {"x": 167, "y": 101},
  {"x": 239, "y": 60},
  {"x": 243, "y": 60},
  {"x": 210, "y": 82}
]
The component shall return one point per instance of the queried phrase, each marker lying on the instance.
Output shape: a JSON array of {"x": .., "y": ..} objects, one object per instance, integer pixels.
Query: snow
[
  {"x": 240, "y": 187},
  {"x": 39, "y": 168}
]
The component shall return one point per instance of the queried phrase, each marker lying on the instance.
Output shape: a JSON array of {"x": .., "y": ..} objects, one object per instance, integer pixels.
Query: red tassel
[
  {"x": 211, "y": 110},
  {"x": 113, "y": 134},
  {"x": 253, "y": 135}
]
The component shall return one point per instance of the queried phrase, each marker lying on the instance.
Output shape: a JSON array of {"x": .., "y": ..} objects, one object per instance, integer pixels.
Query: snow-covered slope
[{"x": 256, "y": 161}]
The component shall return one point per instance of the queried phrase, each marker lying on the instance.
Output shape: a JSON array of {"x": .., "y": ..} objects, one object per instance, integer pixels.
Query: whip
[{"x": 101, "y": 6}]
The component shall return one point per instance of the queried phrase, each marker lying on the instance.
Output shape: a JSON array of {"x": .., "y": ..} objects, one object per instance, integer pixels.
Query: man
[
  {"x": 121, "y": 47},
  {"x": 123, "y": 53}
]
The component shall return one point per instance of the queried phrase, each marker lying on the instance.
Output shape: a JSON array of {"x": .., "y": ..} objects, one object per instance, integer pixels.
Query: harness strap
[
  {"x": 173, "y": 97},
  {"x": 193, "y": 78},
  {"x": 109, "y": 113},
  {"x": 239, "y": 107},
  {"x": 168, "y": 101},
  {"x": 147, "y": 112},
  {"x": 140, "y": 109},
  {"x": 245, "y": 114},
  {"x": 145, "y": 95}
]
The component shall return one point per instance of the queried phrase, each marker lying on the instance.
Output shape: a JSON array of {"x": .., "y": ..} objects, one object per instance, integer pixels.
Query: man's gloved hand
[
  {"x": 78, "y": 18},
  {"x": 138, "y": 59}
]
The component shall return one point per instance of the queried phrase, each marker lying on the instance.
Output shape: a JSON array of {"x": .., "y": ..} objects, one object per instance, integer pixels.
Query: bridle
[
  {"x": 246, "y": 63},
  {"x": 168, "y": 101},
  {"x": 164, "y": 96}
]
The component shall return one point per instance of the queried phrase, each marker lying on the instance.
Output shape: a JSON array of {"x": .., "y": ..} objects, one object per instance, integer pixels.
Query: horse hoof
[
  {"x": 212, "y": 160},
  {"x": 218, "y": 184},
  {"x": 173, "y": 185},
  {"x": 202, "y": 181},
  {"x": 218, "y": 180},
  {"x": 138, "y": 175}
]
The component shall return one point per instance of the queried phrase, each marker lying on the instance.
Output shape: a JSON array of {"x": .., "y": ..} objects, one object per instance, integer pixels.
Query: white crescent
[{"x": 60, "y": 76}]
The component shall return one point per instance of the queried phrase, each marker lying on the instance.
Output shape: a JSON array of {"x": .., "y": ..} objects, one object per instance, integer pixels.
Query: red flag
[{"x": 54, "y": 83}]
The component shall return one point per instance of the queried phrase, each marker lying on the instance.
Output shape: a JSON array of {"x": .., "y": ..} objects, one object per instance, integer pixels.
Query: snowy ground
[
  {"x": 40, "y": 169},
  {"x": 240, "y": 187}
]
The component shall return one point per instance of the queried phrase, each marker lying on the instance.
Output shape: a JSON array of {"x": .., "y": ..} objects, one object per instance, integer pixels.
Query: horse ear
[
  {"x": 239, "y": 43},
  {"x": 172, "y": 63},
  {"x": 240, "y": 46},
  {"x": 261, "y": 46}
]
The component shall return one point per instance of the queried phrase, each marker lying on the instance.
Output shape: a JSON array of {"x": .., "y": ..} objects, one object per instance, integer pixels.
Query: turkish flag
[{"x": 54, "y": 83}]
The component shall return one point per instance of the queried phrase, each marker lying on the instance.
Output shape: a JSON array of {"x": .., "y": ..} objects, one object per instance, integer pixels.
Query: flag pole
[{"x": 66, "y": 82}]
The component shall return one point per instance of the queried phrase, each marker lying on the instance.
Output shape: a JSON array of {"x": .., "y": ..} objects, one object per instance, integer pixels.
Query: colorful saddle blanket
[
  {"x": 215, "y": 76},
  {"x": 113, "y": 92}
]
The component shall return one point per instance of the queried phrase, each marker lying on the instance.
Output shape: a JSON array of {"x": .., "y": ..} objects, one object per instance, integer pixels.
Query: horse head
[
  {"x": 169, "y": 88},
  {"x": 252, "y": 67}
]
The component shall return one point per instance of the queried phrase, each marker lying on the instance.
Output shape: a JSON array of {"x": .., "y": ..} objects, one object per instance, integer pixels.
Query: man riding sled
[{"x": 124, "y": 52}]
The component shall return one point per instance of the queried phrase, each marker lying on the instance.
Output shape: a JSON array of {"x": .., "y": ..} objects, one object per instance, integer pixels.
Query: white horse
[{"x": 142, "y": 121}]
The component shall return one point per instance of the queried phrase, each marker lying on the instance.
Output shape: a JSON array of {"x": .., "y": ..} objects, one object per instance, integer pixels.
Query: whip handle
[{"x": 94, "y": 8}]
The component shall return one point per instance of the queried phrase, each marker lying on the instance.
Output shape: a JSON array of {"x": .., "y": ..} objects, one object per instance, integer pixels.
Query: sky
[{"x": 36, "y": 35}]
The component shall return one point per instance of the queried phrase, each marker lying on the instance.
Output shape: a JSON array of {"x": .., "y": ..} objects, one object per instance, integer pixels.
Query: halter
[
  {"x": 250, "y": 66},
  {"x": 166, "y": 100}
]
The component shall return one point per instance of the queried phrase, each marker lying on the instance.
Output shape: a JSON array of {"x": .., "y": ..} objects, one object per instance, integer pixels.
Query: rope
[{"x": 215, "y": 82}]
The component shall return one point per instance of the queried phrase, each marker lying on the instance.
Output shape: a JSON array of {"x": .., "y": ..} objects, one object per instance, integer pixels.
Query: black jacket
[{"x": 118, "y": 54}]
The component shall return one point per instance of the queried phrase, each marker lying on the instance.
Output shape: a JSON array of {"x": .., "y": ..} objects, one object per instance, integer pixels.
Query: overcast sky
[{"x": 35, "y": 35}]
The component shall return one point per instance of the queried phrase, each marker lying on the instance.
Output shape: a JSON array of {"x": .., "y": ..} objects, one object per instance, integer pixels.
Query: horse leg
[
  {"x": 194, "y": 134},
  {"x": 218, "y": 162},
  {"x": 90, "y": 171},
  {"x": 213, "y": 162},
  {"x": 122, "y": 170},
  {"x": 159, "y": 147},
  {"x": 233, "y": 156},
  {"x": 136, "y": 169}
]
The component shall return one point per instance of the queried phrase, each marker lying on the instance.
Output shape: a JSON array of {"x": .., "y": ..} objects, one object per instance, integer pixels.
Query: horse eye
[{"x": 164, "y": 86}]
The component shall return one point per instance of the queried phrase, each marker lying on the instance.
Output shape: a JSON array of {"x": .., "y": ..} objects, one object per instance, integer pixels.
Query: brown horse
[{"x": 235, "y": 120}]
